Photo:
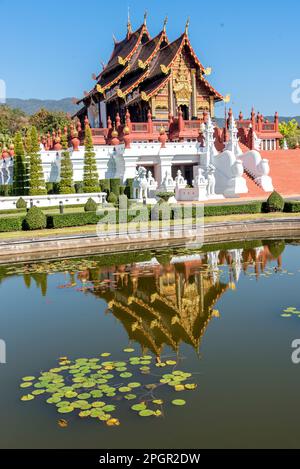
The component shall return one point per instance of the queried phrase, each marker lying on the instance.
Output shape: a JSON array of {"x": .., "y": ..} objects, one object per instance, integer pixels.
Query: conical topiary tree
[
  {"x": 66, "y": 185},
  {"x": 19, "y": 171},
  {"x": 36, "y": 176},
  {"x": 90, "y": 173}
]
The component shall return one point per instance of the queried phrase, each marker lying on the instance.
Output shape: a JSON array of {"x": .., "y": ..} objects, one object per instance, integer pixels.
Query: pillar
[
  {"x": 153, "y": 107},
  {"x": 212, "y": 106},
  {"x": 171, "y": 96},
  {"x": 194, "y": 94}
]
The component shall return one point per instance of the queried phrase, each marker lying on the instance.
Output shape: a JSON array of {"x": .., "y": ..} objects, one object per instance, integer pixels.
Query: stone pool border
[{"x": 55, "y": 247}]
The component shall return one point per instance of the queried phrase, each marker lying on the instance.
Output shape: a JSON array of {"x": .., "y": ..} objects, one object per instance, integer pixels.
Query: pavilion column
[
  {"x": 153, "y": 107},
  {"x": 194, "y": 94},
  {"x": 212, "y": 106},
  {"x": 171, "y": 96}
]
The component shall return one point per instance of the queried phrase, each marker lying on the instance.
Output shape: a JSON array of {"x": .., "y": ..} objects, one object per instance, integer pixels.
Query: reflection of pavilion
[
  {"x": 168, "y": 304},
  {"x": 164, "y": 304}
]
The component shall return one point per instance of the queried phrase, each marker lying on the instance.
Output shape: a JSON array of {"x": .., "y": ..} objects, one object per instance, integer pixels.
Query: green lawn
[{"x": 91, "y": 229}]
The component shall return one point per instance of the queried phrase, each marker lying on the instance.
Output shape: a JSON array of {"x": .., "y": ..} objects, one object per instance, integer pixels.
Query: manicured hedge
[
  {"x": 211, "y": 211},
  {"x": 115, "y": 186},
  {"x": 11, "y": 224},
  {"x": 72, "y": 219},
  {"x": 292, "y": 207}
]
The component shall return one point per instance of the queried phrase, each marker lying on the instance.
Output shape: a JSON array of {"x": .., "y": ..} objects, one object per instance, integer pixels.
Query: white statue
[
  {"x": 152, "y": 185},
  {"x": 211, "y": 181},
  {"x": 179, "y": 180},
  {"x": 140, "y": 184},
  {"x": 200, "y": 178},
  {"x": 168, "y": 184}
]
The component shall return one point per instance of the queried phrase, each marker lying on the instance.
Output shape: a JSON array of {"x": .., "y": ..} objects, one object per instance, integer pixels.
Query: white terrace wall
[{"x": 9, "y": 203}]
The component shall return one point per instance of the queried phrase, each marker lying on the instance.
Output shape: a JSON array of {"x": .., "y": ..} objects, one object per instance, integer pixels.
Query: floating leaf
[
  {"x": 158, "y": 401},
  {"x": 130, "y": 397},
  {"x": 28, "y": 378},
  {"x": 28, "y": 397},
  {"x": 105, "y": 354},
  {"x": 25, "y": 385},
  {"x": 179, "y": 402},
  {"x": 98, "y": 404},
  {"x": 191, "y": 387},
  {"x": 126, "y": 375},
  {"x": 65, "y": 410},
  {"x": 113, "y": 422},
  {"x": 146, "y": 413},
  {"x": 128, "y": 350},
  {"x": 134, "y": 385},
  {"x": 139, "y": 407},
  {"x": 84, "y": 413},
  {"x": 179, "y": 387},
  {"x": 124, "y": 389},
  {"x": 171, "y": 362}
]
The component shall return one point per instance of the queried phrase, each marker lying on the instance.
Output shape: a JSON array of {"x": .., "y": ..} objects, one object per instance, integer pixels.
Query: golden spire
[
  {"x": 187, "y": 26},
  {"x": 145, "y": 17},
  {"x": 165, "y": 24},
  {"x": 129, "y": 27}
]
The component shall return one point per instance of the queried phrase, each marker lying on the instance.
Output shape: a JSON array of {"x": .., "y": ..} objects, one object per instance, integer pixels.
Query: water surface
[{"x": 218, "y": 311}]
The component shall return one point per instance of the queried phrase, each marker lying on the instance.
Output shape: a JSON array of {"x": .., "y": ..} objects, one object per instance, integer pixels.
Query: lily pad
[
  {"x": 146, "y": 413},
  {"x": 28, "y": 397},
  {"x": 179, "y": 402}
]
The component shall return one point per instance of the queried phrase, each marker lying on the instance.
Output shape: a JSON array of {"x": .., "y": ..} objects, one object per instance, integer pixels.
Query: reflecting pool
[{"x": 156, "y": 349}]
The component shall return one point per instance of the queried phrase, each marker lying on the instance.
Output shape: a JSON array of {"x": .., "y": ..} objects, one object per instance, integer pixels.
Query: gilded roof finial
[
  {"x": 129, "y": 27},
  {"x": 165, "y": 24},
  {"x": 114, "y": 39},
  {"x": 187, "y": 26},
  {"x": 145, "y": 17}
]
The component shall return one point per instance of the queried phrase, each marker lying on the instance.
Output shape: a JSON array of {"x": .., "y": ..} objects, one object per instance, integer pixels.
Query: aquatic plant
[{"x": 97, "y": 387}]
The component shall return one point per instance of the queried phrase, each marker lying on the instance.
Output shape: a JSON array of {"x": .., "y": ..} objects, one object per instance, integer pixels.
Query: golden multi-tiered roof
[{"x": 153, "y": 73}]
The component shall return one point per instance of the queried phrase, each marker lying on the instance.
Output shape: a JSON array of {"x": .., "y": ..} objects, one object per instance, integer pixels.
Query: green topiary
[
  {"x": 37, "y": 184},
  {"x": 115, "y": 186},
  {"x": 35, "y": 219},
  {"x": 276, "y": 248},
  {"x": 90, "y": 173},
  {"x": 105, "y": 185},
  {"x": 90, "y": 206},
  {"x": 21, "y": 203},
  {"x": 19, "y": 171},
  {"x": 66, "y": 185},
  {"x": 165, "y": 196},
  {"x": 123, "y": 201},
  {"x": 275, "y": 203},
  {"x": 112, "y": 199}
]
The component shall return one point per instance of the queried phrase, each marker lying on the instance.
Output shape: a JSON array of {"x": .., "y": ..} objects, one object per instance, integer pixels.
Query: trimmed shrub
[
  {"x": 105, "y": 185},
  {"x": 72, "y": 219},
  {"x": 112, "y": 198},
  {"x": 6, "y": 190},
  {"x": 90, "y": 173},
  {"x": 275, "y": 203},
  {"x": 129, "y": 188},
  {"x": 37, "y": 185},
  {"x": 20, "y": 171},
  {"x": 292, "y": 207},
  {"x": 35, "y": 219},
  {"x": 219, "y": 210},
  {"x": 161, "y": 211},
  {"x": 115, "y": 186},
  {"x": 11, "y": 224},
  {"x": 165, "y": 196},
  {"x": 78, "y": 187},
  {"x": 90, "y": 206},
  {"x": 123, "y": 201},
  {"x": 21, "y": 204}
]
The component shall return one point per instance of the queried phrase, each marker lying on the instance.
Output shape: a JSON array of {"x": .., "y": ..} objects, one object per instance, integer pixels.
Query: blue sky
[{"x": 50, "y": 49}]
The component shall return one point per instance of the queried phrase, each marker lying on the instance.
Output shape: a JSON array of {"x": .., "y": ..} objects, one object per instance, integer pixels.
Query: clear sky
[{"x": 49, "y": 49}]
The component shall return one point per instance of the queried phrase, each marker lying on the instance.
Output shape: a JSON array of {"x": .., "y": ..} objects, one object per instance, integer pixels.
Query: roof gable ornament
[
  {"x": 129, "y": 27},
  {"x": 145, "y": 18},
  {"x": 165, "y": 24},
  {"x": 187, "y": 26}
]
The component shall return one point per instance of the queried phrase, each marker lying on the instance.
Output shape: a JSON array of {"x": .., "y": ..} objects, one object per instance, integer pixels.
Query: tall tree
[
  {"x": 47, "y": 121},
  {"x": 37, "y": 184},
  {"x": 66, "y": 185},
  {"x": 19, "y": 171},
  {"x": 291, "y": 132},
  {"x": 90, "y": 173}
]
